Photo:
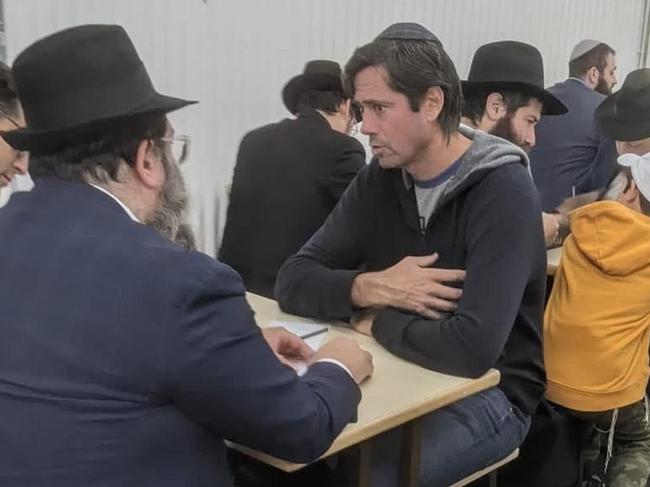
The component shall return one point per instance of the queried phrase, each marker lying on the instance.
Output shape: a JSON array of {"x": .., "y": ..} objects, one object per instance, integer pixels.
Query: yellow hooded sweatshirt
[{"x": 597, "y": 320}]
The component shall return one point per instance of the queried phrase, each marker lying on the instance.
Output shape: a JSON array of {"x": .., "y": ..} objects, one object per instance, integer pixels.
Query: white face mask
[{"x": 640, "y": 168}]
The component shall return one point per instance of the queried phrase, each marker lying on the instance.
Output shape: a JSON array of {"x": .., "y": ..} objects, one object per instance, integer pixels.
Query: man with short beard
[
  {"x": 504, "y": 96},
  {"x": 571, "y": 156},
  {"x": 124, "y": 358}
]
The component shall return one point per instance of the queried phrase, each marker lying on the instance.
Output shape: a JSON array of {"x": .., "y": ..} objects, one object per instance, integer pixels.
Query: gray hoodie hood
[{"x": 486, "y": 153}]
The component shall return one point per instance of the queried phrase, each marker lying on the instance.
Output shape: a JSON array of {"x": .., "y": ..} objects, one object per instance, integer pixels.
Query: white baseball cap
[{"x": 640, "y": 168}]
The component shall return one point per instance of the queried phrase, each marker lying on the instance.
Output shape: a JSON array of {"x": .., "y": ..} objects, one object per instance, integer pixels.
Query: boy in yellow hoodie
[{"x": 597, "y": 320}]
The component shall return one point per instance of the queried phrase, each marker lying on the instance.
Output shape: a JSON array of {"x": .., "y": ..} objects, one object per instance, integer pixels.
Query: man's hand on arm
[{"x": 411, "y": 285}]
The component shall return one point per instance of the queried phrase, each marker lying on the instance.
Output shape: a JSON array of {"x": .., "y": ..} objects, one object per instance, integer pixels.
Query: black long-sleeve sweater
[{"x": 487, "y": 222}]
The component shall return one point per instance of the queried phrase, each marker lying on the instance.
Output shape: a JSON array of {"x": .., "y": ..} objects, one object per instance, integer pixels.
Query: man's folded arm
[{"x": 504, "y": 235}]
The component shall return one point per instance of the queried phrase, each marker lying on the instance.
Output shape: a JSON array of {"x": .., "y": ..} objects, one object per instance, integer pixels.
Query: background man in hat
[
  {"x": 435, "y": 199},
  {"x": 289, "y": 175},
  {"x": 504, "y": 96},
  {"x": 597, "y": 322},
  {"x": 126, "y": 359},
  {"x": 571, "y": 156},
  {"x": 13, "y": 163}
]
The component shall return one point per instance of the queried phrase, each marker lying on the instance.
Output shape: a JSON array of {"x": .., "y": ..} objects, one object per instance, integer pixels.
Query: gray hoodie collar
[{"x": 486, "y": 152}]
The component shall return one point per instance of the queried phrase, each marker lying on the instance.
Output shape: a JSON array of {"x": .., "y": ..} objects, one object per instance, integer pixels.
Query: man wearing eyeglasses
[
  {"x": 13, "y": 163},
  {"x": 290, "y": 175},
  {"x": 124, "y": 358}
]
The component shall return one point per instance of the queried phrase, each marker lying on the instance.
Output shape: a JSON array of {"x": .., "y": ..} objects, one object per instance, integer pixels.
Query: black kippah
[{"x": 407, "y": 31}]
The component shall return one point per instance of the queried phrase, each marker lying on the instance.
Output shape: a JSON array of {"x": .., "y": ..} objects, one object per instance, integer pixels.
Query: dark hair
[
  {"x": 100, "y": 155},
  {"x": 596, "y": 57},
  {"x": 326, "y": 101},
  {"x": 474, "y": 102},
  {"x": 645, "y": 204},
  {"x": 412, "y": 67},
  {"x": 8, "y": 94}
]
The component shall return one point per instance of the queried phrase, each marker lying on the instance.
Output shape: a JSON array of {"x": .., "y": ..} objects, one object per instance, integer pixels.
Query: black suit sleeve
[
  {"x": 350, "y": 161},
  {"x": 224, "y": 375},
  {"x": 603, "y": 167},
  {"x": 505, "y": 239},
  {"x": 317, "y": 281}
]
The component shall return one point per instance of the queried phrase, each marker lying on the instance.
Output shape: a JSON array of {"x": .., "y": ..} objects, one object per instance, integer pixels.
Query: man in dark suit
[
  {"x": 571, "y": 156},
  {"x": 124, "y": 358},
  {"x": 289, "y": 176}
]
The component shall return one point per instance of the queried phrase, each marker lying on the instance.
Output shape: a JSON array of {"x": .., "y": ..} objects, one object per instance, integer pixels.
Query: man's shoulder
[
  {"x": 175, "y": 277},
  {"x": 347, "y": 142},
  {"x": 192, "y": 269},
  {"x": 513, "y": 175},
  {"x": 574, "y": 94},
  {"x": 506, "y": 181},
  {"x": 325, "y": 138},
  {"x": 263, "y": 132}
]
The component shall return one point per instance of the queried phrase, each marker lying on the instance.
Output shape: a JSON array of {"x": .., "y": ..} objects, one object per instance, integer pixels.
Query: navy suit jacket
[
  {"x": 125, "y": 360},
  {"x": 569, "y": 151}
]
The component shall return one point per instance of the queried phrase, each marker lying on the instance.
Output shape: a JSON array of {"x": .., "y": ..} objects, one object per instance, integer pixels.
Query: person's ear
[
  {"x": 147, "y": 165},
  {"x": 432, "y": 104},
  {"x": 592, "y": 76},
  {"x": 495, "y": 109},
  {"x": 630, "y": 195}
]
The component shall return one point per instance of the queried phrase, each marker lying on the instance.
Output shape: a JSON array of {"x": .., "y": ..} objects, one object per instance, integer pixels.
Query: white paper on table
[{"x": 311, "y": 333}]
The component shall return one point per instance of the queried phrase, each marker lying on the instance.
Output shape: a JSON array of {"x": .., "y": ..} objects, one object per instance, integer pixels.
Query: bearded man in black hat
[
  {"x": 289, "y": 176},
  {"x": 437, "y": 198},
  {"x": 126, "y": 359},
  {"x": 504, "y": 95}
]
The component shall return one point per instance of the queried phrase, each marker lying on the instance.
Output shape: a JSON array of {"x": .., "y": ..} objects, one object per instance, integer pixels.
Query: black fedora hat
[
  {"x": 80, "y": 81},
  {"x": 319, "y": 74},
  {"x": 625, "y": 115},
  {"x": 511, "y": 66}
]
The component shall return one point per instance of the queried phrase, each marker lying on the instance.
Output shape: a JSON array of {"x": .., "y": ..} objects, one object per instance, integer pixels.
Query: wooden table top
[{"x": 397, "y": 393}]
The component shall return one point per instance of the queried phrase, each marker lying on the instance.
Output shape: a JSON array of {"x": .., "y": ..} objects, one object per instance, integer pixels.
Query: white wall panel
[{"x": 235, "y": 56}]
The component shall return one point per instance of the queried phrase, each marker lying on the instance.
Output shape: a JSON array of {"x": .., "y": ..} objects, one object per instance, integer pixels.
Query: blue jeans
[{"x": 456, "y": 441}]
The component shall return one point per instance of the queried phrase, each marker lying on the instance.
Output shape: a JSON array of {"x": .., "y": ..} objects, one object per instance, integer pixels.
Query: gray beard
[{"x": 172, "y": 203}]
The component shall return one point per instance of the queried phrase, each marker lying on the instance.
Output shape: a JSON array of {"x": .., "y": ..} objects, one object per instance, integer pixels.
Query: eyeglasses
[
  {"x": 179, "y": 146},
  {"x": 13, "y": 122},
  {"x": 18, "y": 153}
]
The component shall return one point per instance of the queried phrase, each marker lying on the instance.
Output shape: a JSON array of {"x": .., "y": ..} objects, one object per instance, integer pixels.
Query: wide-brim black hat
[
  {"x": 625, "y": 115},
  {"x": 511, "y": 66},
  {"x": 319, "y": 75},
  {"x": 81, "y": 81}
]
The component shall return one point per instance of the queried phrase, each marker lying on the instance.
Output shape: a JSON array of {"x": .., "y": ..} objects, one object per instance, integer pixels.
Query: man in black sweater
[{"x": 436, "y": 199}]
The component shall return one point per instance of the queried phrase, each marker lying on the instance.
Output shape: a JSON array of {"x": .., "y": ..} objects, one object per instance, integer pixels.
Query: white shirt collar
[
  {"x": 124, "y": 207},
  {"x": 579, "y": 79}
]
